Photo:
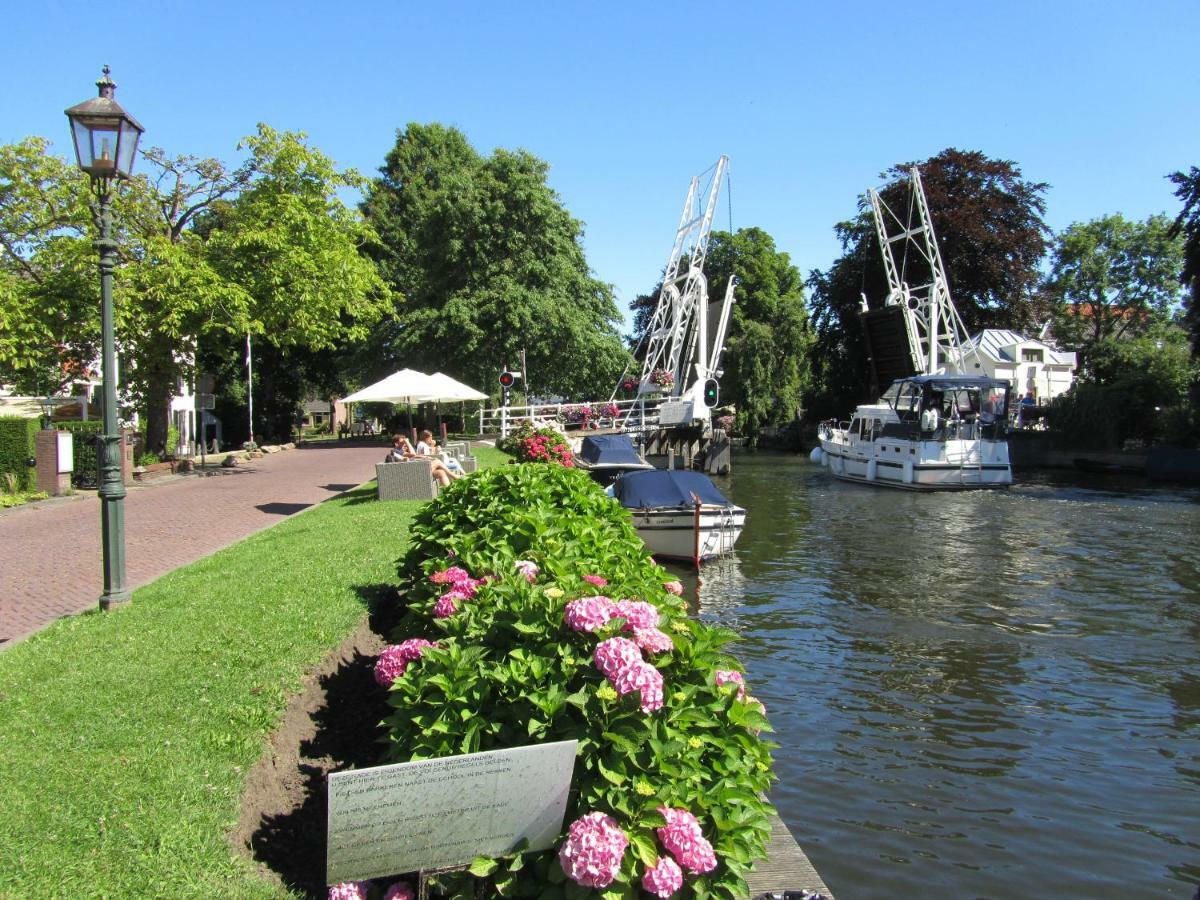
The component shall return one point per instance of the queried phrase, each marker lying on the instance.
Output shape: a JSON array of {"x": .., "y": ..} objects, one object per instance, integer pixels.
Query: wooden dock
[{"x": 786, "y": 868}]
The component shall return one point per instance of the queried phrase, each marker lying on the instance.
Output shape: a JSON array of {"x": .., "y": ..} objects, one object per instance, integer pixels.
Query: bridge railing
[{"x": 636, "y": 414}]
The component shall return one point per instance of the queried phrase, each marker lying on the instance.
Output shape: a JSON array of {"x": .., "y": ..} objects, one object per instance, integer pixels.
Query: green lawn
[{"x": 125, "y": 737}]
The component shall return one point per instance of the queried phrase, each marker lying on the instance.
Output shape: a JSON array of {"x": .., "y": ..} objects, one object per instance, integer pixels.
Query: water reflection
[{"x": 975, "y": 694}]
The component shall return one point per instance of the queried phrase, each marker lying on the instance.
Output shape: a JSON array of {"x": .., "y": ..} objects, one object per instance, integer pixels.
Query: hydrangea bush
[
  {"x": 572, "y": 632},
  {"x": 529, "y": 444}
]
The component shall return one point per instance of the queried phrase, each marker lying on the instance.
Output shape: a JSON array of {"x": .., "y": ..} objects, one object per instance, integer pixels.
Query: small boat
[
  {"x": 680, "y": 514},
  {"x": 605, "y": 456}
]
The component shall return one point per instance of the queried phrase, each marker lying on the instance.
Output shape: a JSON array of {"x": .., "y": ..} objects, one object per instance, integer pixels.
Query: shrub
[
  {"x": 665, "y": 732},
  {"x": 529, "y": 444},
  {"x": 18, "y": 443}
]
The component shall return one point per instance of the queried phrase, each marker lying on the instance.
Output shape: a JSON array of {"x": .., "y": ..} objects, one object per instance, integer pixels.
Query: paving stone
[{"x": 50, "y": 556}]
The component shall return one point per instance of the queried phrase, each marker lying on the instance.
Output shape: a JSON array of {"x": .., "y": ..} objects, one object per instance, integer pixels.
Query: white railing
[{"x": 637, "y": 414}]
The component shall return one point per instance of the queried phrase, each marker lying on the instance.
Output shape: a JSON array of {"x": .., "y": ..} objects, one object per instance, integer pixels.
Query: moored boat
[
  {"x": 605, "y": 456},
  {"x": 680, "y": 514}
]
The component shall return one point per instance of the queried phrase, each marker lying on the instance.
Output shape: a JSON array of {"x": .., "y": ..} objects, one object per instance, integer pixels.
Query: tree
[
  {"x": 988, "y": 221},
  {"x": 49, "y": 292},
  {"x": 266, "y": 248},
  {"x": 766, "y": 358},
  {"x": 489, "y": 262},
  {"x": 1188, "y": 224},
  {"x": 1113, "y": 279}
]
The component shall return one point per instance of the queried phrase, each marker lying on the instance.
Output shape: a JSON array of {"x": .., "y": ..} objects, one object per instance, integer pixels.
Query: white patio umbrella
[
  {"x": 408, "y": 386},
  {"x": 405, "y": 386},
  {"x": 449, "y": 389}
]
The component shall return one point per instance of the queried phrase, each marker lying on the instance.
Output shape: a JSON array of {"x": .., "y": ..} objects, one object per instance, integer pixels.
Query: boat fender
[
  {"x": 817, "y": 456},
  {"x": 929, "y": 420}
]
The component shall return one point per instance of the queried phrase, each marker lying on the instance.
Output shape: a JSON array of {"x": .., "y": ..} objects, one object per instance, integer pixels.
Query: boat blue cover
[
  {"x": 609, "y": 450},
  {"x": 661, "y": 487}
]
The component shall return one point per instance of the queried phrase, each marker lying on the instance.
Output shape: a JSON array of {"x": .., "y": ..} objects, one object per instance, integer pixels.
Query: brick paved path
[{"x": 50, "y": 558}]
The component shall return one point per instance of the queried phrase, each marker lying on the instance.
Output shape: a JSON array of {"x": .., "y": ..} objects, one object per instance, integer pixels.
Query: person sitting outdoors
[
  {"x": 402, "y": 450},
  {"x": 429, "y": 447}
]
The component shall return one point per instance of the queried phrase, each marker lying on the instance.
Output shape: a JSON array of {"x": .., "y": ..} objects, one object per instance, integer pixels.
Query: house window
[{"x": 1031, "y": 355}]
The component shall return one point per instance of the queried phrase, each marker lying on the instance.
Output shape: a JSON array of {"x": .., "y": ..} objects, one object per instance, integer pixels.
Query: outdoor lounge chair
[{"x": 411, "y": 479}]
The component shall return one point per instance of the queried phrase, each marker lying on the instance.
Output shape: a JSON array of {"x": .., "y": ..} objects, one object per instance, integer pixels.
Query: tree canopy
[
  {"x": 988, "y": 221},
  {"x": 1112, "y": 278},
  {"x": 489, "y": 263},
  {"x": 1188, "y": 224},
  {"x": 205, "y": 249}
]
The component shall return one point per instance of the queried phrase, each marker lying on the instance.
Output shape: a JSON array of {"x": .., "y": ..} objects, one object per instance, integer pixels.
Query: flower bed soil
[{"x": 331, "y": 725}]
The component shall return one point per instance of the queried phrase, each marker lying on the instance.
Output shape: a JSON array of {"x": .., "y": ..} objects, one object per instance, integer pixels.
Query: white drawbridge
[
  {"x": 936, "y": 334},
  {"x": 682, "y": 345}
]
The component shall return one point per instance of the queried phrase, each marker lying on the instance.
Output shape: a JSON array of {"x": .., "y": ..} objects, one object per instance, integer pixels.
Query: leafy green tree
[
  {"x": 1112, "y": 279},
  {"x": 49, "y": 292},
  {"x": 766, "y": 358},
  {"x": 988, "y": 221},
  {"x": 1136, "y": 389},
  {"x": 266, "y": 248},
  {"x": 1188, "y": 224},
  {"x": 489, "y": 262}
]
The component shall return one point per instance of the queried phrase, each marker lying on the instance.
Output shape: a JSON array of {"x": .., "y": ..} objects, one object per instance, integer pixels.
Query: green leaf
[
  {"x": 609, "y": 774},
  {"x": 483, "y": 866},
  {"x": 645, "y": 849}
]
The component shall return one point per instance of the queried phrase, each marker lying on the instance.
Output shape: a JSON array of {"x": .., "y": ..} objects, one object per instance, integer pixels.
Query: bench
[{"x": 411, "y": 479}]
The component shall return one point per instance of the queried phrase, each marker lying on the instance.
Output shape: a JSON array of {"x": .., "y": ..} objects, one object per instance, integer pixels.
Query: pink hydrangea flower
[
  {"x": 616, "y": 654},
  {"x": 727, "y": 676},
  {"x": 684, "y": 840},
  {"x": 643, "y": 678},
  {"x": 395, "y": 659},
  {"x": 589, "y": 613},
  {"x": 445, "y": 607},
  {"x": 637, "y": 614},
  {"x": 528, "y": 568},
  {"x": 591, "y": 855},
  {"x": 401, "y": 890},
  {"x": 452, "y": 575},
  {"x": 596, "y": 580},
  {"x": 674, "y": 587},
  {"x": 664, "y": 879},
  {"x": 652, "y": 640},
  {"x": 348, "y": 890}
]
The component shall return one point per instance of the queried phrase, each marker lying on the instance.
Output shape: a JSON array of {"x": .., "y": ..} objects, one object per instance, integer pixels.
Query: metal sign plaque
[{"x": 435, "y": 813}]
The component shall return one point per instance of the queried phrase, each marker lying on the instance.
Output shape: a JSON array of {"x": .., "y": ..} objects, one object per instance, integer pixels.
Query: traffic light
[
  {"x": 711, "y": 392},
  {"x": 507, "y": 379}
]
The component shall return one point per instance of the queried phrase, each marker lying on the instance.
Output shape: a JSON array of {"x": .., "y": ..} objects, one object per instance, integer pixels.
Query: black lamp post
[{"x": 106, "y": 139}]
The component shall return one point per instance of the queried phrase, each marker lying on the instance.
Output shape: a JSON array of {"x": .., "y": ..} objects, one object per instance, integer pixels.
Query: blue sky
[{"x": 627, "y": 101}]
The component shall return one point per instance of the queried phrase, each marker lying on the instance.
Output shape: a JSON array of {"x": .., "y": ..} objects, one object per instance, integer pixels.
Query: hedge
[{"x": 18, "y": 442}]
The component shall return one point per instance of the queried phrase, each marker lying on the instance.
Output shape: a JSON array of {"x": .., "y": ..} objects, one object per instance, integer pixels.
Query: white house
[{"x": 1031, "y": 365}]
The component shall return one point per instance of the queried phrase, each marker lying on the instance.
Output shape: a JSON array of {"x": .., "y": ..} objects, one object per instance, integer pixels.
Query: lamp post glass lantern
[{"x": 106, "y": 139}]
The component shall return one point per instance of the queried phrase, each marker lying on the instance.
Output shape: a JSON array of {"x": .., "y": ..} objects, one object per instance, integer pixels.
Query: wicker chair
[
  {"x": 409, "y": 480},
  {"x": 461, "y": 450}
]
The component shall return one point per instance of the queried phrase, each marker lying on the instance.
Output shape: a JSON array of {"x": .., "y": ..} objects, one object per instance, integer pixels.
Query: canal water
[{"x": 978, "y": 694}]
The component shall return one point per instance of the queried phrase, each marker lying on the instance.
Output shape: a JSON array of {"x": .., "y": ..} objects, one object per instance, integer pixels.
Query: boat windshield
[{"x": 903, "y": 396}]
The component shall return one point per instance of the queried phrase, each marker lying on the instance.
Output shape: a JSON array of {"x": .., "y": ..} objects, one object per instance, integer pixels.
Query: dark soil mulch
[{"x": 333, "y": 724}]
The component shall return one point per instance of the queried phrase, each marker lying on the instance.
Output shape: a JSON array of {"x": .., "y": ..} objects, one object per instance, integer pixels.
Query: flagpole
[{"x": 250, "y": 384}]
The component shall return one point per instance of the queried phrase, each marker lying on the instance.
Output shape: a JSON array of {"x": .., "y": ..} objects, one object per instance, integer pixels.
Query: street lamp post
[{"x": 106, "y": 139}]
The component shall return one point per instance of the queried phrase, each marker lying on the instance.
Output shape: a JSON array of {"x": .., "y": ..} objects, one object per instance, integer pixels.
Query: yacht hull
[{"x": 928, "y": 466}]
